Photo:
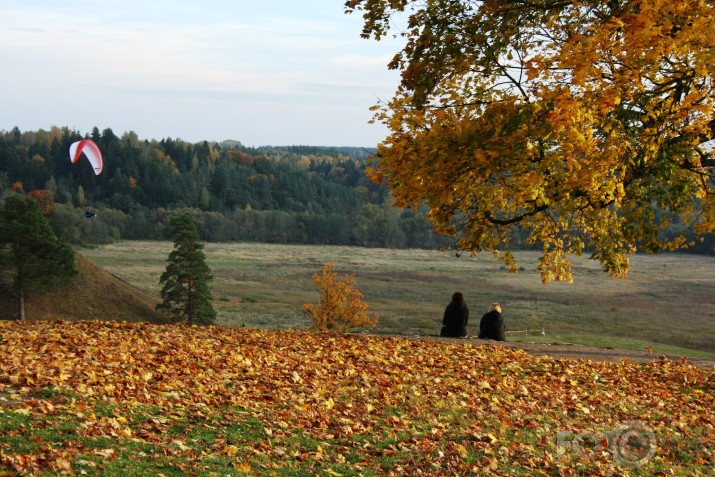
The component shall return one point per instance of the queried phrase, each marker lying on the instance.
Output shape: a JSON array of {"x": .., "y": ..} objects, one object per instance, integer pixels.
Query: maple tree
[
  {"x": 341, "y": 306},
  {"x": 185, "y": 292},
  {"x": 32, "y": 258},
  {"x": 583, "y": 122}
]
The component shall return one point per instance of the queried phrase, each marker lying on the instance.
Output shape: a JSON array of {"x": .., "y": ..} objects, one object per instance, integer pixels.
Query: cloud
[
  {"x": 166, "y": 54},
  {"x": 359, "y": 61}
]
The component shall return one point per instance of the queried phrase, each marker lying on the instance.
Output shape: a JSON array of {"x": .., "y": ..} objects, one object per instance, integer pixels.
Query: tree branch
[{"x": 516, "y": 219}]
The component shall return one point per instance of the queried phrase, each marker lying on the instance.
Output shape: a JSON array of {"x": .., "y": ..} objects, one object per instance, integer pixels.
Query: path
[{"x": 580, "y": 352}]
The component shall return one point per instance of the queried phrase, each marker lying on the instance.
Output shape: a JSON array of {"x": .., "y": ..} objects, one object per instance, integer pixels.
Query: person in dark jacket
[
  {"x": 491, "y": 326},
  {"x": 456, "y": 316}
]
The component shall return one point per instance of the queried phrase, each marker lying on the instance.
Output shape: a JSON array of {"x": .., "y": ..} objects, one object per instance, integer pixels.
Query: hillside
[{"x": 94, "y": 294}]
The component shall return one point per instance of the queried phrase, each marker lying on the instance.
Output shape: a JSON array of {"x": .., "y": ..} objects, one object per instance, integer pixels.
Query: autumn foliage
[
  {"x": 86, "y": 398},
  {"x": 341, "y": 306},
  {"x": 45, "y": 200},
  {"x": 582, "y": 123}
]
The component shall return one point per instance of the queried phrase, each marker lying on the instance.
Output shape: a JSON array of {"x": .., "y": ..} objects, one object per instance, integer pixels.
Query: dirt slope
[{"x": 92, "y": 295}]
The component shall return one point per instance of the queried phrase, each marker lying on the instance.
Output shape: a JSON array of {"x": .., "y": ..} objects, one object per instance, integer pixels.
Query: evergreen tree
[
  {"x": 185, "y": 291},
  {"x": 32, "y": 258}
]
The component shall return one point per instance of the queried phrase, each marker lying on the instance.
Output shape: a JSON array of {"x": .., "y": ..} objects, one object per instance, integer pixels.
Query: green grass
[
  {"x": 214, "y": 439},
  {"x": 215, "y": 443},
  {"x": 665, "y": 302}
]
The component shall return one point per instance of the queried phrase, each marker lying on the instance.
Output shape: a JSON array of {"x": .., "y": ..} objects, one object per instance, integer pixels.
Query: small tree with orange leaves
[
  {"x": 45, "y": 200},
  {"x": 341, "y": 307}
]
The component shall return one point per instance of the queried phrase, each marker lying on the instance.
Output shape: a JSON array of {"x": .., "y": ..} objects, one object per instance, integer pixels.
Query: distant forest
[{"x": 295, "y": 194}]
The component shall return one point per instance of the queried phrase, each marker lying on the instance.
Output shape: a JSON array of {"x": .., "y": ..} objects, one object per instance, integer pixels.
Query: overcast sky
[{"x": 263, "y": 72}]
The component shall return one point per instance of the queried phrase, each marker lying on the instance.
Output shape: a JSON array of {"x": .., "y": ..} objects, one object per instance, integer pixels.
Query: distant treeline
[{"x": 294, "y": 194}]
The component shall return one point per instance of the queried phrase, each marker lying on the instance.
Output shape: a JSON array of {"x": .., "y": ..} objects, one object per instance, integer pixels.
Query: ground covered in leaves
[{"x": 115, "y": 399}]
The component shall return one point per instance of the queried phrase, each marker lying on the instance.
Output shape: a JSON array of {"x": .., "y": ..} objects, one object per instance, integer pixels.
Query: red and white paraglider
[{"x": 91, "y": 152}]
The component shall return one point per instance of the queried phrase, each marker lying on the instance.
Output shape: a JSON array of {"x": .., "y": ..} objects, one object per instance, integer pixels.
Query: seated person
[
  {"x": 456, "y": 315},
  {"x": 491, "y": 326}
]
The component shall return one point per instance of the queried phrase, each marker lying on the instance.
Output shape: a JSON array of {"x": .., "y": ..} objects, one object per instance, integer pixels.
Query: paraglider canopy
[{"x": 91, "y": 152}]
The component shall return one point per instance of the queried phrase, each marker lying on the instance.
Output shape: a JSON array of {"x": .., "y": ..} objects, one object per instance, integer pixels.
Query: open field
[{"x": 667, "y": 299}]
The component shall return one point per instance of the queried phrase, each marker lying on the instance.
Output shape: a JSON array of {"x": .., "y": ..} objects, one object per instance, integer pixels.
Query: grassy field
[{"x": 666, "y": 300}]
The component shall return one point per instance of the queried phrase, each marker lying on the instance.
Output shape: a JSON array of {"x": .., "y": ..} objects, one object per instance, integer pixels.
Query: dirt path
[{"x": 581, "y": 352}]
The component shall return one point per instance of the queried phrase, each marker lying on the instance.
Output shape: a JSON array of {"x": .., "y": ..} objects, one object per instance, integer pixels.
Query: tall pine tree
[
  {"x": 32, "y": 258},
  {"x": 185, "y": 291}
]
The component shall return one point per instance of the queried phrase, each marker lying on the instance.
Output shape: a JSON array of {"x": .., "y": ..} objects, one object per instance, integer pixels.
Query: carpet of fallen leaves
[{"x": 93, "y": 398}]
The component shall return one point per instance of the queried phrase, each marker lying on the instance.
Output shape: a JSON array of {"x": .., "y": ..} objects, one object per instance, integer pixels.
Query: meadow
[
  {"x": 666, "y": 301},
  {"x": 261, "y": 395}
]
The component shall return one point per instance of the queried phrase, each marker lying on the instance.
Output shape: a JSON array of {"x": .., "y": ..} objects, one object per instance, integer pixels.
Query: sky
[{"x": 262, "y": 72}]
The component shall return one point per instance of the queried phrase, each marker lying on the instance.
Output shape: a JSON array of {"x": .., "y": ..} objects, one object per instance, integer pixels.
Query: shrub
[{"x": 341, "y": 307}]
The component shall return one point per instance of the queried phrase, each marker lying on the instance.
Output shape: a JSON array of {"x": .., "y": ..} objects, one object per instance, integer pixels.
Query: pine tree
[
  {"x": 185, "y": 291},
  {"x": 32, "y": 258}
]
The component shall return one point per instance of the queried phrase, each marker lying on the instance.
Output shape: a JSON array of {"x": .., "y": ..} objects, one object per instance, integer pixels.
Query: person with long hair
[{"x": 456, "y": 316}]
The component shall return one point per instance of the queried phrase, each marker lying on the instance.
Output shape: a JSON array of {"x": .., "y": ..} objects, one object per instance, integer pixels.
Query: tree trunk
[{"x": 21, "y": 305}]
